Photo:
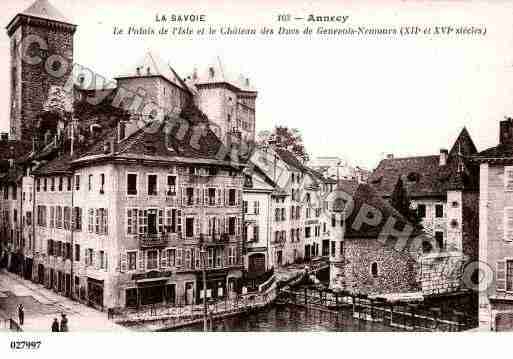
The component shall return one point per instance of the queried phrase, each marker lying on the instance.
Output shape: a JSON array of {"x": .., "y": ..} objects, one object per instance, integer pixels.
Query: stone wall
[
  {"x": 441, "y": 273},
  {"x": 397, "y": 272}
]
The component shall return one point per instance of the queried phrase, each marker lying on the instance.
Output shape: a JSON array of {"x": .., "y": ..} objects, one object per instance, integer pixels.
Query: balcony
[{"x": 153, "y": 240}]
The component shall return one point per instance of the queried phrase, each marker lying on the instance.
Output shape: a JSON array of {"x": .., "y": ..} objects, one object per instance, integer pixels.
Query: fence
[{"x": 408, "y": 316}]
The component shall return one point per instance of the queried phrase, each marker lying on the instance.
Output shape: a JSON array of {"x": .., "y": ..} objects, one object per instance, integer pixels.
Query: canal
[{"x": 290, "y": 318}]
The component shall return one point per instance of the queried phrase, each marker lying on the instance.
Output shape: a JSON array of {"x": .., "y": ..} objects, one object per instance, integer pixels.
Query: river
[{"x": 290, "y": 318}]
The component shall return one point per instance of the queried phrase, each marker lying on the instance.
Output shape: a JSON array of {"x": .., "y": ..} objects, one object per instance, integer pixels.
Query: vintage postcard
[{"x": 183, "y": 166}]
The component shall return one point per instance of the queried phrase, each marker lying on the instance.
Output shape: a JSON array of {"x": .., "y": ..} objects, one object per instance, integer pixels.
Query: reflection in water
[{"x": 292, "y": 318}]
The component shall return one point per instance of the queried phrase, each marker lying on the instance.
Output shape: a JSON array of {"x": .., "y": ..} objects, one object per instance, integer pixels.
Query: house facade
[{"x": 495, "y": 230}]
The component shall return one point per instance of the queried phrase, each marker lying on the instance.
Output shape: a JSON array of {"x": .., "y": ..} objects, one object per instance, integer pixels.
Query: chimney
[
  {"x": 148, "y": 71},
  {"x": 211, "y": 71},
  {"x": 443, "y": 156},
  {"x": 506, "y": 135},
  {"x": 138, "y": 71},
  {"x": 247, "y": 82},
  {"x": 390, "y": 156},
  {"x": 195, "y": 74}
]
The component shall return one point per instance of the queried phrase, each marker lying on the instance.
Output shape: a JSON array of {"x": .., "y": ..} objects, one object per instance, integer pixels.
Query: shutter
[
  {"x": 205, "y": 196},
  {"x": 237, "y": 222},
  {"x": 508, "y": 224},
  {"x": 140, "y": 260},
  {"x": 225, "y": 256},
  {"x": 226, "y": 196},
  {"x": 197, "y": 226},
  {"x": 163, "y": 259},
  {"x": 238, "y": 197},
  {"x": 219, "y": 197},
  {"x": 209, "y": 226},
  {"x": 178, "y": 257},
  {"x": 106, "y": 256},
  {"x": 124, "y": 261},
  {"x": 184, "y": 197},
  {"x": 179, "y": 222},
  {"x": 96, "y": 260},
  {"x": 500, "y": 276},
  {"x": 198, "y": 196}
]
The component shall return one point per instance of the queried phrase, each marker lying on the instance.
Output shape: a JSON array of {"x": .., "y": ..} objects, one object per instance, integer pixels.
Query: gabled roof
[
  {"x": 363, "y": 194},
  {"x": 151, "y": 64},
  {"x": 423, "y": 176},
  {"x": 44, "y": 10},
  {"x": 289, "y": 158},
  {"x": 216, "y": 72}
]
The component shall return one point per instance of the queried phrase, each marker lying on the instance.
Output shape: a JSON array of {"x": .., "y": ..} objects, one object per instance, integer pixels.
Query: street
[{"x": 42, "y": 306}]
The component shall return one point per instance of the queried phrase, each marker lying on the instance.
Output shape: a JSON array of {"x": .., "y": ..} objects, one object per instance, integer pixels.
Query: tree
[
  {"x": 289, "y": 138},
  {"x": 402, "y": 203}
]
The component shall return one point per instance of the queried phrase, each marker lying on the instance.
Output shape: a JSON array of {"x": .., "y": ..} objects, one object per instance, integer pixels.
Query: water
[{"x": 289, "y": 318}]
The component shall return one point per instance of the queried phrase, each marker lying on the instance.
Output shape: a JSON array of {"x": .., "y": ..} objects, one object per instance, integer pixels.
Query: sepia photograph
[{"x": 207, "y": 166}]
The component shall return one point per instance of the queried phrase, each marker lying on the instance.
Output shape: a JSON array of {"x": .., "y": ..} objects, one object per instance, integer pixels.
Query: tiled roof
[
  {"x": 502, "y": 151},
  {"x": 289, "y": 158},
  {"x": 364, "y": 194},
  {"x": 424, "y": 177}
]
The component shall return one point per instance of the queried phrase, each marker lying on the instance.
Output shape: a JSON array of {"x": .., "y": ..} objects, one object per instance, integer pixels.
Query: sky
[{"x": 359, "y": 98}]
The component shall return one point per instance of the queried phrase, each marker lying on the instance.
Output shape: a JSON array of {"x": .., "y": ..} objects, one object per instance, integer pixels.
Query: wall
[{"x": 397, "y": 272}]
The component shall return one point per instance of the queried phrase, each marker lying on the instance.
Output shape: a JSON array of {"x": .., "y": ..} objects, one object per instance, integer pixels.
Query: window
[
  {"x": 152, "y": 260},
  {"x": 45, "y": 184},
  {"x": 102, "y": 259},
  {"x": 60, "y": 184},
  {"x": 77, "y": 252},
  {"x": 131, "y": 220},
  {"x": 131, "y": 184},
  {"x": 231, "y": 226},
  {"x": 245, "y": 206},
  {"x": 77, "y": 182},
  {"x": 102, "y": 183},
  {"x": 509, "y": 275},
  {"x": 374, "y": 269},
  {"x": 307, "y": 232},
  {"x": 90, "y": 183},
  {"x": 90, "y": 220},
  {"x": 89, "y": 257},
  {"x": 333, "y": 248},
  {"x": 508, "y": 178},
  {"x": 211, "y": 196},
  {"x": 439, "y": 238},
  {"x": 256, "y": 207},
  {"x": 101, "y": 223},
  {"x": 292, "y": 232},
  {"x": 189, "y": 227},
  {"x": 132, "y": 260},
  {"x": 38, "y": 184},
  {"x": 283, "y": 214},
  {"x": 421, "y": 210},
  {"x": 77, "y": 218},
  {"x": 68, "y": 187},
  {"x": 439, "y": 211},
  {"x": 52, "y": 217},
  {"x": 231, "y": 197},
  {"x": 171, "y": 257},
  {"x": 58, "y": 217},
  {"x": 67, "y": 218},
  {"x": 210, "y": 257},
  {"x": 171, "y": 185},
  {"x": 231, "y": 256},
  {"x": 152, "y": 185},
  {"x": 189, "y": 195},
  {"x": 255, "y": 233}
]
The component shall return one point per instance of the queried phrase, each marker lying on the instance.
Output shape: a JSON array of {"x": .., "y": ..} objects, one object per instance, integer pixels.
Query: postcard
[{"x": 204, "y": 166}]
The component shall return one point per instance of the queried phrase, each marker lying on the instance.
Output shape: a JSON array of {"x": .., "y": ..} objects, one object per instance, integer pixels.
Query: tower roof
[
  {"x": 153, "y": 65},
  {"x": 216, "y": 72},
  {"x": 43, "y": 9}
]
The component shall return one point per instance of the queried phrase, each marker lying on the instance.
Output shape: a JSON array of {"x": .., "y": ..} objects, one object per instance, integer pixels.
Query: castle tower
[
  {"x": 41, "y": 48},
  {"x": 228, "y": 101}
]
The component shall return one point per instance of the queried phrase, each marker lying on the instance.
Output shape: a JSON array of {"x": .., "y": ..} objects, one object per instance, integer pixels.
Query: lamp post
[{"x": 203, "y": 254}]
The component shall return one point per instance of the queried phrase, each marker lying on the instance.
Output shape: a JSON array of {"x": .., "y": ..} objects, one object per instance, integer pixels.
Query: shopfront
[
  {"x": 216, "y": 285},
  {"x": 95, "y": 289}
]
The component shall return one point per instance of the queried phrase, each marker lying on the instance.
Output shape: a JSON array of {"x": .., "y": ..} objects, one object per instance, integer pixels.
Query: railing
[{"x": 153, "y": 240}]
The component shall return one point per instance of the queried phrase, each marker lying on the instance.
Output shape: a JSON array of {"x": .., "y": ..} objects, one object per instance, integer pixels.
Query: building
[
  {"x": 444, "y": 190},
  {"x": 495, "y": 230},
  {"x": 334, "y": 167},
  {"x": 114, "y": 199}
]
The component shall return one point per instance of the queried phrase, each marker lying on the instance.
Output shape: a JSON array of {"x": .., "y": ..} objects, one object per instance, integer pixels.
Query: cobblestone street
[{"x": 42, "y": 305}]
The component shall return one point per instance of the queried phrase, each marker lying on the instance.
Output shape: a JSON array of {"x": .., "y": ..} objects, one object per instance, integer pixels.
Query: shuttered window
[
  {"x": 508, "y": 178},
  {"x": 500, "y": 276},
  {"x": 508, "y": 224},
  {"x": 509, "y": 275}
]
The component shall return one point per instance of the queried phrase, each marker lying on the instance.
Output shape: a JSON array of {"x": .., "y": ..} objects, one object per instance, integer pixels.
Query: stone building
[
  {"x": 444, "y": 190},
  {"x": 496, "y": 230},
  {"x": 120, "y": 195}
]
